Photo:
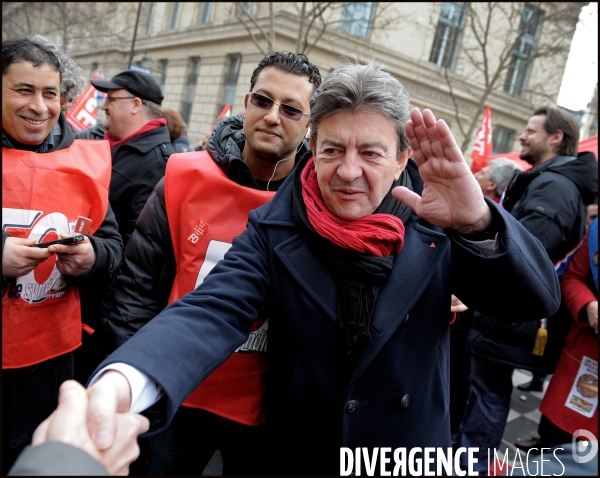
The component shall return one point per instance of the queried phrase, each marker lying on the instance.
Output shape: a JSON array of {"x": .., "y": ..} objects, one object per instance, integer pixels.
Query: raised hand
[{"x": 451, "y": 195}]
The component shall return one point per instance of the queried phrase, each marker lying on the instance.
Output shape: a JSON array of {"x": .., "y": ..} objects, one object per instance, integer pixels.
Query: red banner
[
  {"x": 226, "y": 111},
  {"x": 483, "y": 144},
  {"x": 83, "y": 113}
]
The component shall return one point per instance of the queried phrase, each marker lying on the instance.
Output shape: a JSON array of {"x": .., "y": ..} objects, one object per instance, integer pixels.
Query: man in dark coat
[
  {"x": 139, "y": 141},
  {"x": 549, "y": 201},
  {"x": 354, "y": 263}
]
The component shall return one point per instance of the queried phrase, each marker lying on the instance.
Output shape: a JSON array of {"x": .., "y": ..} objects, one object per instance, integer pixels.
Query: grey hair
[
  {"x": 502, "y": 170},
  {"x": 354, "y": 88},
  {"x": 151, "y": 110},
  {"x": 72, "y": 79}
]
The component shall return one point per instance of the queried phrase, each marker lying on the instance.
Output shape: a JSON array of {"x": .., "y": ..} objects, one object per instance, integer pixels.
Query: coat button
[
  {"x": 351, "y": 406},
  {"x": 404, "y": 401}
]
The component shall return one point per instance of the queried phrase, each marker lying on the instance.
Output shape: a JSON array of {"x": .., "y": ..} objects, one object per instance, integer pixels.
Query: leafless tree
[
  {"x": 70, "y": 24},
  {"x": 314, "y": 20},
  {"x": 496, "y": 31}
]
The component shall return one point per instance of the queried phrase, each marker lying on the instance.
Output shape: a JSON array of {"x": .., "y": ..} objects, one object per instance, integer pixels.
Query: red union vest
[
  {"x": 206, "y": 211},
  {"x": 41, "y": 193}
]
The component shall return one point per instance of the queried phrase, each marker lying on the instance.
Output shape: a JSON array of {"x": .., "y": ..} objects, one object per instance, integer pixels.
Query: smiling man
[
  {"x": 186, "y": 226},
  {"x": 48, "y": 181},
  {"x": 353, "y": 262}
]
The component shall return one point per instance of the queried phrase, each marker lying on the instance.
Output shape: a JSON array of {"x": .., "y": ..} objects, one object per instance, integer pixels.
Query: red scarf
[
  {"x": 377, "y": 234},
  {"x": 149, "y": 126}
]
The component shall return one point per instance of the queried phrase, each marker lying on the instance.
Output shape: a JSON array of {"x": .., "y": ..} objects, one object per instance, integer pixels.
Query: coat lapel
[
  {"x": 412, "y": 272},
  {"x": 311, "y": 275}
]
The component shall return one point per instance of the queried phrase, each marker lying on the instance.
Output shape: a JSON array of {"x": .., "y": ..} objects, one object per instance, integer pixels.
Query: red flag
[
  {"x": 226, "y": 111},
  {"x": 82, "y": 114},
  {"x": 483, "y": 144}
]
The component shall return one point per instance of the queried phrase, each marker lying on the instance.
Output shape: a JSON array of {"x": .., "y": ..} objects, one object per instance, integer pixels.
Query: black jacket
[
  {"x": 549, "y": 200},
  {"x": 143, "y": 282},
  {"x": 137, "y": 166}
]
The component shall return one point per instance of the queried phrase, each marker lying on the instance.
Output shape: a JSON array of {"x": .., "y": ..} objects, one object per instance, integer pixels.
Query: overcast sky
[{"x": 581, "y": 73}]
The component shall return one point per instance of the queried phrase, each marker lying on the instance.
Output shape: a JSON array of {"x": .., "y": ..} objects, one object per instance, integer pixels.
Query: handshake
[{"x": 77, "y": 421}]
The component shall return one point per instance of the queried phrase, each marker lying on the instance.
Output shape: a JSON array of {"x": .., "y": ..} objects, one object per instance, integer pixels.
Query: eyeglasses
[
  {"x": 287, "y": 111},
  {"x": 108, "y": 99}
]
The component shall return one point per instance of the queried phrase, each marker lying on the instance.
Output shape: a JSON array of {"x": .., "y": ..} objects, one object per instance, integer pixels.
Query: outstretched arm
[{"x": 451, "y": 198}]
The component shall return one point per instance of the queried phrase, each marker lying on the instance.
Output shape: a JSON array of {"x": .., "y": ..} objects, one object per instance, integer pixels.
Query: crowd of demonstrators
[
  {"x": 48, "y": 180},
  {"x": 247, "y": 159},
  {"x": 177, "y": 130},
  {"x": 353, "y": 262},
  {"x": 349, "y": 263},
  {"x": 550, "y": 201}
]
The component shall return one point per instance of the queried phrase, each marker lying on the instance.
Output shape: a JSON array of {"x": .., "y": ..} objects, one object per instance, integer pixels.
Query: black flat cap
[{"x": 137, "y": 83}]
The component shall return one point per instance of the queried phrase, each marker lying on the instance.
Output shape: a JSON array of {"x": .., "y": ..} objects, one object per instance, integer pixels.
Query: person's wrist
[{"x": 484, "y": 234}]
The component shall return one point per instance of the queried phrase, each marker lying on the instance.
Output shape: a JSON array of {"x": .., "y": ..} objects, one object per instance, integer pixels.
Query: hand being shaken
[{"x": 68, "y": 424}]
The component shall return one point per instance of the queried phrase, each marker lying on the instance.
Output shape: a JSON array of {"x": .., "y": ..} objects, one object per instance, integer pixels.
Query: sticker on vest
[
  {"x": 44, "y": 281},
  {"x": 197, "y": 232},
  {"x": 583, "y": 397},
  {"x": 257, "y": 341}
]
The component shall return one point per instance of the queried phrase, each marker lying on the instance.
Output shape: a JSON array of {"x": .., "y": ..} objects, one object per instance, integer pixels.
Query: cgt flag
[
  {"x": 483, "y": 144},
  {"x": 82, "y": 114}
]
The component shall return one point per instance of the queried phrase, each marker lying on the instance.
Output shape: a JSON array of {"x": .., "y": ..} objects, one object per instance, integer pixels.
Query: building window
[
  {"x": 175, "y": 11},
  {"x": 163, "y": 73},
  {"x": 148, "y": 18},
  {"x": 186, "y": 108},
  {"x": 206, "y": 12},
  {"x": 231, "y": 78},
  {"x": 447, "y": 35},
  {"x": 522, "y": 56},
  {"x": 502, "y": 140},
  {"x": 357, "y": 18},
  {"x": 249, "y": 6}
]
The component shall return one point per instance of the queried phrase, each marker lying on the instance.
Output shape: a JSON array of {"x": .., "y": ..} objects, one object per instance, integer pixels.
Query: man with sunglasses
[
  {"x": 139, "y": 140},
  {"x": 184, "y": 229},
  {"x": 354, "y": 263}
]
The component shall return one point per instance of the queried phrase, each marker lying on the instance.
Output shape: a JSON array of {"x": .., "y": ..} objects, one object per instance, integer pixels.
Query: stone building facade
[{"x": 203, "y": 54}]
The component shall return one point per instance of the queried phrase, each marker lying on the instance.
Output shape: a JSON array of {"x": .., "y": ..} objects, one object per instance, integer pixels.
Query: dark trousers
[
  {"x": 193, "y": 436},
  {"x": 487, "y": 409},
  {"x": 29, "y": 396}
]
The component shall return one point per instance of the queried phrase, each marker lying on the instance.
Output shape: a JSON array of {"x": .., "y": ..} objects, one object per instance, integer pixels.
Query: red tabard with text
[
  {"x": 41, "y": 193},
  {"x": 206, "y": 211}
]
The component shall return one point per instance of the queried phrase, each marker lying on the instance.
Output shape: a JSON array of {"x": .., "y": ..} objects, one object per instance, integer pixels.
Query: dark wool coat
[{"x": 396, "y": 394}]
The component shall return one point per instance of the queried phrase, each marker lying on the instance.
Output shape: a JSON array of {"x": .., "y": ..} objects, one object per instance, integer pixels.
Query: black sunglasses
[{"x": 287, "y": 111}]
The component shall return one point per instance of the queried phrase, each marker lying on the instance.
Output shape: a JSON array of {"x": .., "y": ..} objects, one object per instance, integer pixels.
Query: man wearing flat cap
[{"x": 139, "y": 142}]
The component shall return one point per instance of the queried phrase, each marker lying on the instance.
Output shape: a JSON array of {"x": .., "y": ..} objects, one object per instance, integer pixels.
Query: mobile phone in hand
[{"x": 67, "y": 241}]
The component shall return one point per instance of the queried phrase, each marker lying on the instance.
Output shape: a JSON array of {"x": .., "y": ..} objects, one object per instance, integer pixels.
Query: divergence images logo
[{"x": 584, "y": 450}]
